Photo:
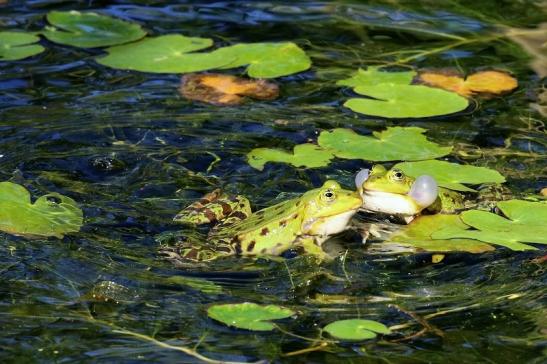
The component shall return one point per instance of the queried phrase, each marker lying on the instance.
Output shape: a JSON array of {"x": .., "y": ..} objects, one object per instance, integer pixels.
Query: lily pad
[
  {"x": 89, "y": 30},
  {"x": 356, "y": 329},
  {"x": 396, "y": 143},
  {"x": 525, "y": 223},
  {"x": 304, "y": 155},
  {"x": 452, "y": 175},
  {"x": 18, "y": 45},
  {"x": 265, "y": 60},
  {"x": 164, "y": 54},
  {"x": 50, "y": 215},
  {"x": 489, "y": 82},
  {"x": 391, "y": 100},
  {"x": 248, "y": 315},
  {"x": 373, "y": 76},
  {"x": 418, "y": 233}
]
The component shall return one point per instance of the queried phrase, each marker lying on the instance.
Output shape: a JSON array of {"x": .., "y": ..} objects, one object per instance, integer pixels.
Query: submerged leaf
[
  {"x": 525, "y": 223},
  {"x": 304, "y": 155},
  {"x": 396, "y": 143},
  {"x": 89, "y": 30},
  {"x": 248, "y": 315},
  {"x": 356, "y": 329},
  {"x": 491, "y": 82},
  {"x": 452, "y": 175},
  {"x": 218, "y": 89},
  {"x": 18, "y": 45},
  {"x": 391, "y": 100},
  {"x": 373, "y": 76},
  {"x": 164, "y": 54},
  {"x": 418, "y": 233},
  {"x": 50, "y": 215},
  {"x": 265, "y": 60}
]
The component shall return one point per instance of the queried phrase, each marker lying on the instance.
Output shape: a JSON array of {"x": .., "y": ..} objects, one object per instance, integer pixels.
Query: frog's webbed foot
[
  {"x": 185, "y": 252},
  {"x": 214, "y": 206}
]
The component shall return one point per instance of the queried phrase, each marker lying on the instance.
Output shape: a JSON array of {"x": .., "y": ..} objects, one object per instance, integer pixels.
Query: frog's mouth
[{"x": 390, "y": 203}]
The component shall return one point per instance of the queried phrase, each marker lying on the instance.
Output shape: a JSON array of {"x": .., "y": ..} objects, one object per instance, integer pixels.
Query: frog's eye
[
  {"x": 328, "y": 195},
  {"x": 397, "y": 175}
]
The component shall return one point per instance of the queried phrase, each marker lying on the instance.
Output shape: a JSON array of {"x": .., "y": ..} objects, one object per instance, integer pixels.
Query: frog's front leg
[{"x": 311, "y": 246}]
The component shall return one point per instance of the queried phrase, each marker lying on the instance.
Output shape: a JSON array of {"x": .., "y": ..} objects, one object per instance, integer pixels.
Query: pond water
[{"x": 132, "y": 152}]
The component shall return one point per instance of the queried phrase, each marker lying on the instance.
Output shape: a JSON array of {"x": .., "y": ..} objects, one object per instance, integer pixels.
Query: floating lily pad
[
  {"x": 391, "y": 100},
  {"x": 89, "y": 30},
  {"x": 164, "y": 54},
  {"x": 373, "y": 76},
  {"x": 265, "y": 60},
  {"x": 218, "y": 89},
  {"x": 397, "y": 143},
  {"x": 356, "y": 329},
  {"x": 525, "y": 223},
  {"x": 489, "y": 82},
  {"x": 18, "y": 45},
  {"x": 248, "y": 315},
  {"x": 452, "y": 175},
  {"x": 50, "y": 215},
  {"x": 304, "y": 155},
  {"x": 418, "y": 233}
]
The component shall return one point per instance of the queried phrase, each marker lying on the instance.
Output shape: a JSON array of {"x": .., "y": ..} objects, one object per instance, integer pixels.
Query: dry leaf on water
[
  {"x": 218, "y": 89},
  {"x": 484, "y": 82}
]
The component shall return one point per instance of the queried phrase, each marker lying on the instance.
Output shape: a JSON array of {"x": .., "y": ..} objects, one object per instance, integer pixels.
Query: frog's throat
[
  {"x": 327, "y": 225},
  {"x": 390, "y": 203}
]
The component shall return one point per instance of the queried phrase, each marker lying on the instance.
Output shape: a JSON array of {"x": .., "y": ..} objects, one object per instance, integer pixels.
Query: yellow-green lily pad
[
  {"x": 266, "y": 60},
  {"x": 524, "y": 222},
  {"x": 396, "y": 143},
  {"x": 418, "y": 233},
  {"x": 164, "y": 54},
  {"x": 50, "y": 215},
  {"x": 304, "y": 155},
  {"x": 18, "y": 45},
  {"x": 452, "y": 175},
  {"x": 391, "y": 100},
  {"x": 373, "y": 76},
  {"x": 356, "y": 329},
  {"x": 89, "y": 30},
  {"x": 249, "y": 315}
]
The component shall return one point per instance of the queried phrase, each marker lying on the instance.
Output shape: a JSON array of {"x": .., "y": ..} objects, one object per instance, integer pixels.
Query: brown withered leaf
[
  {"x": 484, "y": 82},
  {"x": 225, "y": 90}
]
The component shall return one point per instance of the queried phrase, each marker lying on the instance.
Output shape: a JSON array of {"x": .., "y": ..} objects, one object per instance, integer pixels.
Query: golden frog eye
[
  {"x": 397, "y": 175},
  {"x": 328, "y": 195}
]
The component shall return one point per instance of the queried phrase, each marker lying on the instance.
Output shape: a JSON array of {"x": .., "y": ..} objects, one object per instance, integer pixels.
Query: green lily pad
[
  {"x": 18, "y": 45},
  {"x": 356, "y": 329},
  {"x": 373, "y": 76},
  {"x": 50, "y": 215},
  {"x": 248, "y": 315},
  {"x": 304, "y": 155},
  {"x": 391, "y": 100},
  {"x": 525, "y": 223},
  {"x": 89, "y": 30},
  {"x": 397, "y": 143},
  {"x": 452, "y": 175},
  {"x": 418, "y": 233},
  {"x": 164, "y": 54},
  {"x": 265, "y": 60}
]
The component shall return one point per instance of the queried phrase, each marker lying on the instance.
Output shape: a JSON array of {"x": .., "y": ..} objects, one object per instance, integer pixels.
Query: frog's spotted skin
[
  {"x": 306, "y": 221},
  {"x": 394, "y": 192}
]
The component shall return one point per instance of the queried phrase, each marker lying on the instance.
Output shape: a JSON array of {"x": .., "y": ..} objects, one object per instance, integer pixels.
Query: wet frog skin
[
  {"x": 306, "y": 222},
  {"x": 394, "y": 192}
]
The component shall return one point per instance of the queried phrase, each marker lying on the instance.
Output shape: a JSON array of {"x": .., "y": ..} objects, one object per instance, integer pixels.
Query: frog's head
[
  {"x": 393, "y": 192},
  {"x": 328, "y": 209}
]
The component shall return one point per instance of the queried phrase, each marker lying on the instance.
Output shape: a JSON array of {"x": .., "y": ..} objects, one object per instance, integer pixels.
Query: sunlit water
[{"x": 132, "y": 153}]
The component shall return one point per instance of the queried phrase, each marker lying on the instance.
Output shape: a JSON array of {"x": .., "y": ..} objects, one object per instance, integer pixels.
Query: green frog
[
  {"x": 393, "y": 192},
  {"x": 303, "y": 222}
]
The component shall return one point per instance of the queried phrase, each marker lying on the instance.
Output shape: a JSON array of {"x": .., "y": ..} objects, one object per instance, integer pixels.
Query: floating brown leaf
[
  {"x": 218, "y": 89},
  {"x": 484, "y": 82}
]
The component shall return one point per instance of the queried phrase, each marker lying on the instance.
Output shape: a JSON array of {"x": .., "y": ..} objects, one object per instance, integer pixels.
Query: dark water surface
[{"x": 132, "y": 152}]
